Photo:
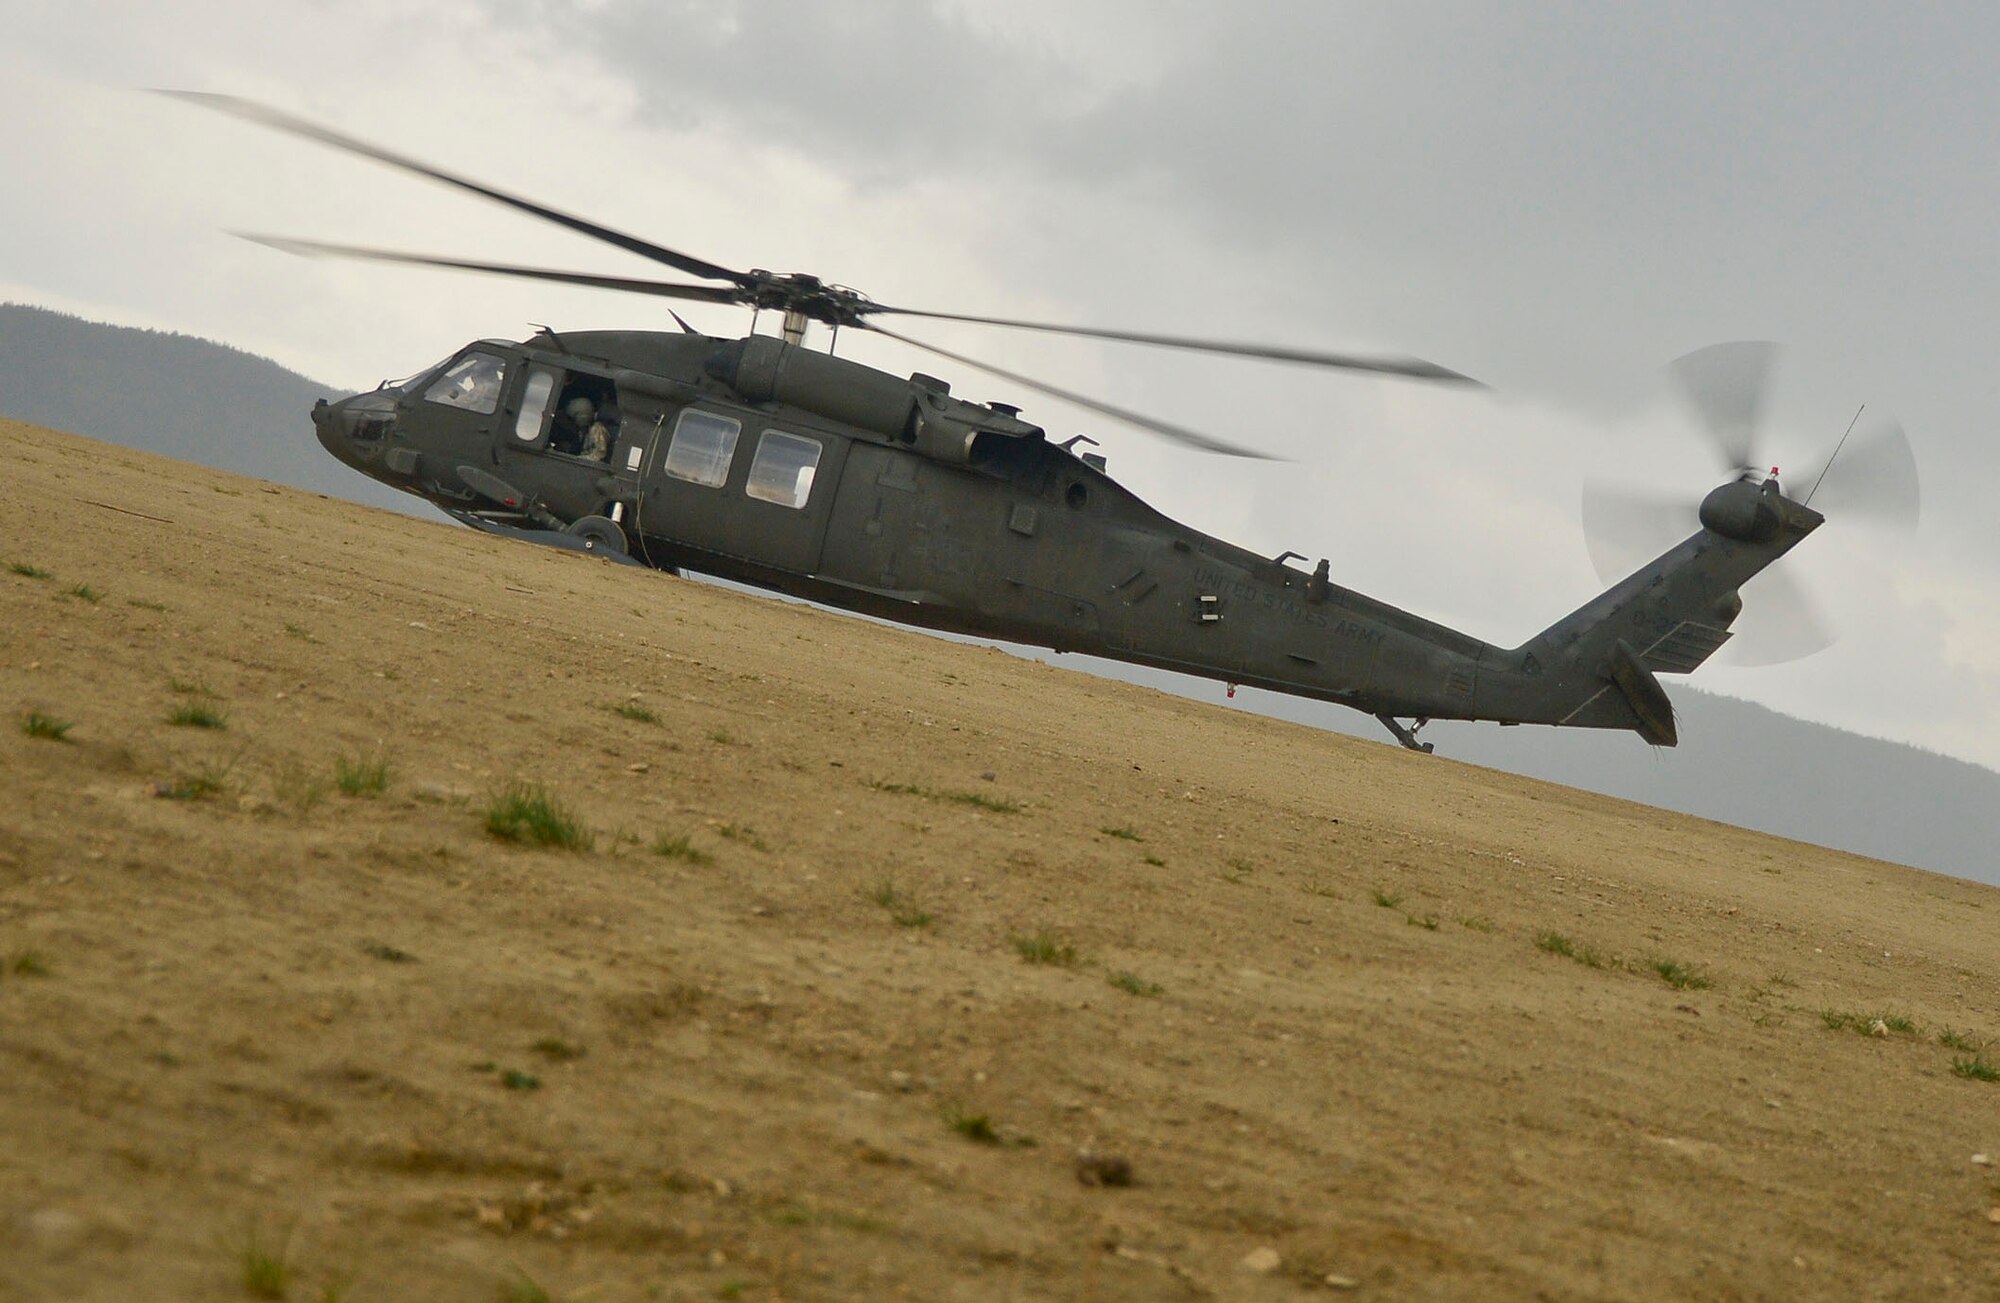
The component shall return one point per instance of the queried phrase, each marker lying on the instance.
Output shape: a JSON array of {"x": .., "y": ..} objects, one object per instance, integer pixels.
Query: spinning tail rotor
[{"x": 1870, "y": 477}]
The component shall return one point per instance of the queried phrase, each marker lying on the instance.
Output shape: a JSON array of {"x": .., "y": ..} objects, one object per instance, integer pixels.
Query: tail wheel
[{"x": 599, "y": 534}]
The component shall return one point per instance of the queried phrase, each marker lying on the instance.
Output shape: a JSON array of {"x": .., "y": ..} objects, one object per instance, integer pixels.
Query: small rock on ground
[{"x": 1263, "y": 1260}]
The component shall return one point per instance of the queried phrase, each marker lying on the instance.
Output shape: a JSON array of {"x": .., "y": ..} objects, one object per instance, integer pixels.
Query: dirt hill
[{"x": 870, "y": 937}]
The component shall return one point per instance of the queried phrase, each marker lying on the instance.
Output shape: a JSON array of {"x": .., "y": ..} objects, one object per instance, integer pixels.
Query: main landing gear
[{"x": 1408, "y": 736}]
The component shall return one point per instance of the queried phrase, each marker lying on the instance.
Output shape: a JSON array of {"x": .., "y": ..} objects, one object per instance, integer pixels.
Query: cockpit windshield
[
  {"x": 472, "y": 383},
  {"x": 414, "y": 376}
]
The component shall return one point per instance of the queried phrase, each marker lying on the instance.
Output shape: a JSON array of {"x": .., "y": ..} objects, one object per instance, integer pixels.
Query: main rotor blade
[
  {"x": 1414, "y": 368},
  {"x": 1178, "y": 433},
  {"x": 1624, "y": 529},
  {"x": 1780, "y": 623},
  {"x": 660, "y": 289},
  {"x": 264, "y": 115},
  {"x": 1874, "y": 479},
  {"x": 1726, "y": 384}
]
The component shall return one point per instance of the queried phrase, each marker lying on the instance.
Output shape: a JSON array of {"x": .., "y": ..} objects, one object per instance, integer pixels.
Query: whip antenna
[{"x": 1836, "y": 453}]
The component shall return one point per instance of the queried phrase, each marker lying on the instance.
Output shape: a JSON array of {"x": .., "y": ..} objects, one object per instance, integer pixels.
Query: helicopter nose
[{"x": 354, "y": 429}]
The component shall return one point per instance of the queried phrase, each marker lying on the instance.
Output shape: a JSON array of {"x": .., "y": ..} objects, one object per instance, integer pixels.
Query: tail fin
[{"x": 1597, "y": 665}]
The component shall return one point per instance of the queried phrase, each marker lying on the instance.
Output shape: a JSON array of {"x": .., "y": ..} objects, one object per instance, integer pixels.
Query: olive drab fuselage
[{"x": 774, "y": 465}]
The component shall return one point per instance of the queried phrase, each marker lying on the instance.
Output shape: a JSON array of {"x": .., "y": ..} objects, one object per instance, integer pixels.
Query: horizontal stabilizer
[{"x": 1684, "y": 648}]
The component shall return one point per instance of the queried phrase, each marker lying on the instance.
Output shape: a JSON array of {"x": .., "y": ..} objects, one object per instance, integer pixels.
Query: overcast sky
[{"x": 1556, "y": 199}]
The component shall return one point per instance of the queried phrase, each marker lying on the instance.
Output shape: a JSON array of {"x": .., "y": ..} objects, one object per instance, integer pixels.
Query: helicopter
[{"x": 764, "y": 462}]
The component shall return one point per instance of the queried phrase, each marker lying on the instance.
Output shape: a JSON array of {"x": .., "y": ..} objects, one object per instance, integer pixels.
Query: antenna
[
  {"x": 554, "y": 338},
  {"x": 1836, "y": 452}
]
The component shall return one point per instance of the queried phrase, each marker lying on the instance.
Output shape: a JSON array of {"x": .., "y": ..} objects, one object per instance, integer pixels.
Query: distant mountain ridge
[
  {"x": 1738, "y": 763},
  {"x": 175, "y": 395}
]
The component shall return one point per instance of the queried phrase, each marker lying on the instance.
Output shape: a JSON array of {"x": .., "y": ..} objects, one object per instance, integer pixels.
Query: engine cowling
[{"x": 921, "y": 415}]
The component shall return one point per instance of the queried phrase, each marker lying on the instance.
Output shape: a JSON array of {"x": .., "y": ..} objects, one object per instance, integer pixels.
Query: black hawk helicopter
[{"x": 760, "y": 461}]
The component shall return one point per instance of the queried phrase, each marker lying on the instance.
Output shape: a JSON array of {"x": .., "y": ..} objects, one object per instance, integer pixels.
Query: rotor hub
[{"x": 806, "y": 294}]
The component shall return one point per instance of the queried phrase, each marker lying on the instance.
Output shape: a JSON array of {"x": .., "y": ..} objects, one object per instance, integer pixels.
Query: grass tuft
[
  {"x": 743, "y": 832},
  {"x": 981, "y": 801},
  {"x": 36, "y": 724},
  {"x": 1156, "y": 862},
  {"x": 1680, "y": 976},
  {"x": 1387, "y": 900},
  {"x": 361, "y": 775},
  {"x": 1475, "y": 922},
  {"x": 1429, "y": 922},
  {"x": 1044, "y": 947},
  {"x": 267, "y": 1268},
  {"x": 1133, "y": 984},
  {"x": 209, "y": 780},
  {"x": 976, "y": 1127},
  {"x": 198, "y": 714},
  {"x": 1975, "y": 1068},
  {"x": 29, "y": 963},
  {"x": 514, "y": 1080},
  {"x": 901, "y": 908},
  {"x": 1127, "y": 834},
  {"x": 1556, "y": 943},
  {"x": 388, "y": 954},
  {"x": 1864, "y": 1023},
  {"x": 635, "y": 712},
  {"x": 557, "y": 1051},
  {"x": 519, "y": 1287},
  {"x": 798, "y": 1213},
  {"x": 681, "y": 848},
  {"x": 526, "y": 812},
  {"x": 86, "y": 593},
  {"x": 27, "y": 571},
  {"x": 1952, "y": 1040}
]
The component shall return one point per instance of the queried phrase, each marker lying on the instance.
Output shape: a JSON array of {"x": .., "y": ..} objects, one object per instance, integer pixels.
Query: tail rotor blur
[{"x": 1870, "y": 477}]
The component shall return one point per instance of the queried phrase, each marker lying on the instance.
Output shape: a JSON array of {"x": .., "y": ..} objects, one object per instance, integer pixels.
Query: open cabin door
[{"x": 576, "y": 415}]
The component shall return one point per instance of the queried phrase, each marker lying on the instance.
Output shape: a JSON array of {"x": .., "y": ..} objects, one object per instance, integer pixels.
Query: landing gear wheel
[{"x": 599, "y": 534}]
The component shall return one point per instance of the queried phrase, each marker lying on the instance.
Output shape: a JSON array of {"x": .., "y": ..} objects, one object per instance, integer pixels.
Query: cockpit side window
[
  {"x": 704, "y": 444},
  {"x": 535, "y": 404},
  {"x": 471, "y": 383}
]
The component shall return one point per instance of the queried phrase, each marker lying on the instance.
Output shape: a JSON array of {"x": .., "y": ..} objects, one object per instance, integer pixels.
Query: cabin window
[
  {"x": 535, "y": 404},
  {"x": 471, "y": 383},
  {"x": 703, "y": 446},
  {"x": 782, "y": 471}
]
